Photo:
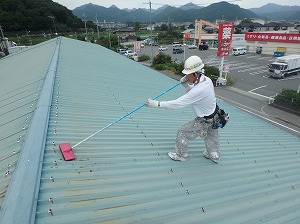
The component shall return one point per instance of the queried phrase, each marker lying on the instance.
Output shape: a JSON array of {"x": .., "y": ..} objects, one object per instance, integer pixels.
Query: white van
[
  {"x": 176, "y": 44},
  {"x": 238, "y": 50}
]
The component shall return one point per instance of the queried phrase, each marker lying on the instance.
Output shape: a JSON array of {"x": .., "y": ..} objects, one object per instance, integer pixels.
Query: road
[{"x": 252, "y": 88}]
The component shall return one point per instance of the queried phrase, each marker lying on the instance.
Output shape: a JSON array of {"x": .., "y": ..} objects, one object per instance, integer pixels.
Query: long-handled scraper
[{"x": 66, "y": 148}]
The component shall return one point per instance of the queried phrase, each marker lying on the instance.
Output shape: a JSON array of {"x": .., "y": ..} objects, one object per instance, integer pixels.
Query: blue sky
[{"x": 71, "y": 4}]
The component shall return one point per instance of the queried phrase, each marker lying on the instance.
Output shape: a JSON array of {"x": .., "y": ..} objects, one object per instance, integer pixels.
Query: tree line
[{"x": 36, "y": 15}]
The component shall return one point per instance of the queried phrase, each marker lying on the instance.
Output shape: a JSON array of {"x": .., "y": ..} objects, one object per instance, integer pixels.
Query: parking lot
[{"x": 249, "y": 71}]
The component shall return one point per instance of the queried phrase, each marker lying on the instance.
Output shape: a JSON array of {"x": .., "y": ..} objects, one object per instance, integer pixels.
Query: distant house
[
  {"x": 249, "y": 27},
  {"x": 125, "y": 33},
  {"x": 279, "y": 26},
  {"x": 258, "y": 27},
  {"x": 131, "y": 38}
]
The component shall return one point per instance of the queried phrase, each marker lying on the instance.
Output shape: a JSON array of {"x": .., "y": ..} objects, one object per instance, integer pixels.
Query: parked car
[
  {"x": 238, "y": 50},
  {"x": 154, "y": 44},
  {"x": 176, "y": 44},
  {"x": 193, "y": 46},
  {"x": 177, "y": 50},
  {"x": 122, "y": 51},
  {"x": 130, "y": 53},
  {"x": 161, "y": 48},
  {"x": 203, "y": 47}
]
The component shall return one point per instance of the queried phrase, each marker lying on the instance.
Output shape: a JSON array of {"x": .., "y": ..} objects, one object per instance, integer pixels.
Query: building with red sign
[{"x": 270, "y": 43}]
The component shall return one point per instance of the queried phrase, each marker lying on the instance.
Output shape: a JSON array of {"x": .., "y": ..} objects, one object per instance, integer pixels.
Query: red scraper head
[{"x": 67, "y": 151}]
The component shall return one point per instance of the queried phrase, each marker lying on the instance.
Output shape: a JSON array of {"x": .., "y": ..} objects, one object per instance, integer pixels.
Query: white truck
[{"x": 285, "y": 66}]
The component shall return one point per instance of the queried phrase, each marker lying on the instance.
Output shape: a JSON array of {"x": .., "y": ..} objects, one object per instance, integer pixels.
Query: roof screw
[
  {"x": 50, "y": 211},
  {"x": 23, "y": 128},
  {"x": 171, "y": 170},
  {"x": 14, "y": 152},
  {"x": 7, "y": 172},
  {"x": 54, "y": 131},
  {"x": 181, "y": 184},
  {"x": 8, "y": 166},
  {"x": 18, "y": 140},
  {"x": 52, "y": 179},
  {"x": 187, "y": 191},
  {"x": 53, "y": 143},
  {"x": 157, "y": 153},
  {"x": 203, "y": 210},
  {"x": 51, "y": 200},
  {"x": 55, "y": 163},
  {"x": 55, "y": 121}
]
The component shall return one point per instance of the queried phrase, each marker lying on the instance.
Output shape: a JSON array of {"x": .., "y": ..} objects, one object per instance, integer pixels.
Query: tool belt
[
  {"x": 213, "y": 114},
  {"x": 221, "y": 120}
]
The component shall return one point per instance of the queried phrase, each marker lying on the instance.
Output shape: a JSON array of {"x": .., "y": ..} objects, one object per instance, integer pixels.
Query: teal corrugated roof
[
  {"x": 21, "y": 78},
  {"x": 123, "y": 174}
]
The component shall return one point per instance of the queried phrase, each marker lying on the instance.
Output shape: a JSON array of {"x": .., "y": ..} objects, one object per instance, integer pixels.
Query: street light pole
[{"x": 28, "y": 37}]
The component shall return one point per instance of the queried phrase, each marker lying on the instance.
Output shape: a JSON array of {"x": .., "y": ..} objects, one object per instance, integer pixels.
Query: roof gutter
[{"x": 21, "y": 198}]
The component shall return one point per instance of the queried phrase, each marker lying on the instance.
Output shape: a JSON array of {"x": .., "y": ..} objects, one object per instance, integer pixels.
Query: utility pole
[
  {"x": 97, "y": 27},
  {"x": 84, "y": 18},
  {"x": 151, "y": 32},
  {"x": 151, "y": 35},
  {"x": 52, "y": 17},
  {"x": 151, "y": 29},
  {"x": 4, "y": 41}
]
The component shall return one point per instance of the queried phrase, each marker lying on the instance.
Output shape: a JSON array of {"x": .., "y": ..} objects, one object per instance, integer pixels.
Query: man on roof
[{"x": 201, "y": 95}]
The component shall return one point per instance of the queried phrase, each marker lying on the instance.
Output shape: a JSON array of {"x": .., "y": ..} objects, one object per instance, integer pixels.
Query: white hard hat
[{"x": 192, "y": 64}]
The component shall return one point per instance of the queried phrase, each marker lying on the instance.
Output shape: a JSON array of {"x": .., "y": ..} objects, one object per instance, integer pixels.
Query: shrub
[
  {"x": 143, "y": 57},
  {"x": 162, "y": 62},
  {"x": 288, "y": 98},
  {"x": 177, "y": 68},
  {"x": 162, "y": 58},
  {"x": 212, "y": 72}
]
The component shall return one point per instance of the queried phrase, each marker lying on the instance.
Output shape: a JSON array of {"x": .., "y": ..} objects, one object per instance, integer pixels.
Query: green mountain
[
  {"x": 221, "y": 10},
  {"x": 278, "y": 12},
  {"x": 36, "y": 15}
]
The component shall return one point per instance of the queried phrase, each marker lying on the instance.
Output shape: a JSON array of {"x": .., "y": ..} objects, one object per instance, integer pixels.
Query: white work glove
[
  {"x": 151, "y": 103},
  {"x": 184, "y": 81}
]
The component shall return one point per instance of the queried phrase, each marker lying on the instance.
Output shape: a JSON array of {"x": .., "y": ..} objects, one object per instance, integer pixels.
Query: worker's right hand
[
  {"x": 151, "y": 103},
  {"x": 184, "y": 81}
]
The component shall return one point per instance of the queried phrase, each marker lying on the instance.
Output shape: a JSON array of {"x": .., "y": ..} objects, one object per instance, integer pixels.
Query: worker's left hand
[{"x": 151, "y": 103}]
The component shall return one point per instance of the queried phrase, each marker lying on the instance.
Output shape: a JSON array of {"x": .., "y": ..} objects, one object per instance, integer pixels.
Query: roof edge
[{"x": 20, "y": 201}]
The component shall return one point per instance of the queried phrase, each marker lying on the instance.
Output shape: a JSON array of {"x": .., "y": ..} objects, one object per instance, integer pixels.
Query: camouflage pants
[{"x": 192, "y": 130}]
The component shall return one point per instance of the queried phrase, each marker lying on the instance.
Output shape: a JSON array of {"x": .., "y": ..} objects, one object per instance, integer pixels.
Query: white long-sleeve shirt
[{"x": 201, "y": 96}]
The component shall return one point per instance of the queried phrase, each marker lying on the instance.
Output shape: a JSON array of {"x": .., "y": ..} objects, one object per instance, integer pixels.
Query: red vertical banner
[
  {"x": 225, "y": 38},
  {"x": 187, "y": 35}
]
